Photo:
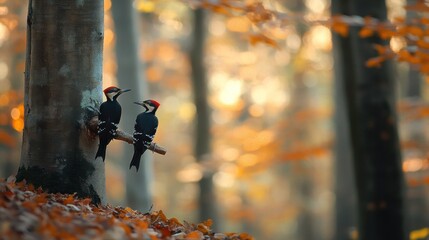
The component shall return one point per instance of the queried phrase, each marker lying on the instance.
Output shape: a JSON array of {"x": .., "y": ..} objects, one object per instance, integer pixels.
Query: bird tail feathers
[{"x": 136, "y": 160}]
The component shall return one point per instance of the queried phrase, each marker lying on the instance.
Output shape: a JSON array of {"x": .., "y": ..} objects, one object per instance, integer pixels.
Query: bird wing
[{"x": 145, "y": 127}]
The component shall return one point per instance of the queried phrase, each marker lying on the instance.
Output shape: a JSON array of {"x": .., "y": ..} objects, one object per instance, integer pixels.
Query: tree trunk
[
  {"x": 138, "y": 190},
  {"x": 373, "y": 128},
  {"x": 207, "y": 200},
  {"x": 345, "y": 194},
  {"x": 62, "y": 88}
]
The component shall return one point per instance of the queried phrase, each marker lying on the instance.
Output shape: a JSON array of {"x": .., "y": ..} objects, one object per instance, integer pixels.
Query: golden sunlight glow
[
  {"x": 18, "y": 125},
  {"x": 320, "y": 38},
  {"x": 144, "y": 6},
  {"x": 217, "y": 27},
  {"x": 238, "y": 24},
  {"x": 282, "y": 57},
  {"x": 247, "y": 160},
  {"x": 293, "y": 41},
  {"x": 191, "y": 173},
  {"x": 256, "y": 110},
  {"x": 316, "y": 6},
  {"x": 108, "y": 80},
  {"x": 107, "y": 5},
  {"x": 4, "y": 33},
  {"x": 265, "y": 137},
  {"x": 4, "y": 70},
  {"x": 108, "y": 37},
  {"x": 231, "y": 92},
  {"x": 247, "y": 58},
  {"x": 415, "y": 164},
  {"x": 187, "y": 111},
  {"x": 396, "y": 44},
  {"x": 230, "y": 154},
  {"x": 259, "y": 95},
  {"x": 170, "y": 19},
  {"x": 224, "y": 179},
  {"x": 154, "y": 73},
  {"x": 15, "y": 113},
  {"x": 4, "y": 10}
]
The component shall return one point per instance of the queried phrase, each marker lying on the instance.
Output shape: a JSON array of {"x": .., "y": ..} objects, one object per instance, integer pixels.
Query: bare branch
[{"x": 123, "y": 136}]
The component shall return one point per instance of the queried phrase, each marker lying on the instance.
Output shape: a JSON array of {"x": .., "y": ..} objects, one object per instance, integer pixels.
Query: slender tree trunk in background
[
  {"x": 345, "y": 194},
  {"x": 417, "y": 207},
  {"x": 300, "y": 99},
  {"x": 207, "y": 198},
  {"x": 373, "y": 128},
  {"x": 62, "y": 84},
  {"x": 138, "y": 190}
]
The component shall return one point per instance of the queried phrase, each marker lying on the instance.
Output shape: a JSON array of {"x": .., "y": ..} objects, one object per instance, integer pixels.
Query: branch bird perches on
[{"x": 92, "y": 125}]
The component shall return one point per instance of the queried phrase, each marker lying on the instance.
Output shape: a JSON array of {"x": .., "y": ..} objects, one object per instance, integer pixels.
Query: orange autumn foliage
[
  {"x": 413, "y": 31},
  {"x": 27, "y": 211}
]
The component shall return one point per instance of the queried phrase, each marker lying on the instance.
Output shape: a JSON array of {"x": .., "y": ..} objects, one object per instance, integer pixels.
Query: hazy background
[{"x": 271, "y": 111}]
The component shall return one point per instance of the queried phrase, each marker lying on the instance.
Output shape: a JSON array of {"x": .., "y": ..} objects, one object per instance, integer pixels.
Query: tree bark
[
  {"x": 373, "y": 127},
  {"x": 202, "y": 147},
  {"x": 138, "y": 184},
  {"x": 345, "y": 194},
  {"x": 62, "y": 87}
]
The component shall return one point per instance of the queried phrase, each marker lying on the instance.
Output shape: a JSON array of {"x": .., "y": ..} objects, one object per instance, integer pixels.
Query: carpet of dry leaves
[{"x": 29, "y": 213}]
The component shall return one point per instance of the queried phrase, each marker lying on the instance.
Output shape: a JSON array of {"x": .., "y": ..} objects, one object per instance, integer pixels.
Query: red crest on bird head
[
  {"x": 109, "y": 89},
  {"x": 155, "y": 103}
]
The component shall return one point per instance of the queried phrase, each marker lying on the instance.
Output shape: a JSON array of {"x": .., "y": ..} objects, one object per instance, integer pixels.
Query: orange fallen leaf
[
  {"x": 194, "y": 235},
  {"x": 68, "y": 200}
]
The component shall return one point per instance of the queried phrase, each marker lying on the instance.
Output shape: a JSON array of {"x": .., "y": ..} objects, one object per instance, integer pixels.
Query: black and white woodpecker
[
  {"x": 144, "y": 130},
  {"x": 110, "y": 115}
]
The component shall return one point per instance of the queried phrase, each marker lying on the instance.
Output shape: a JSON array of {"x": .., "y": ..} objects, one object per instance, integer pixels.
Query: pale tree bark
[
  {"x": 202, "y": 147},
  {"x": 372, "y": 117},
  {"x": 138, "y": 184},
  {"x": 62, "y": 88}
]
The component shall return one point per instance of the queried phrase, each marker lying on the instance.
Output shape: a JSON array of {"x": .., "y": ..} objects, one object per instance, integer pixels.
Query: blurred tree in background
[
  {"x": 271, "y": 158},
  {"x": 372, "y": 117},
  {"x": 129, "y": 75}
]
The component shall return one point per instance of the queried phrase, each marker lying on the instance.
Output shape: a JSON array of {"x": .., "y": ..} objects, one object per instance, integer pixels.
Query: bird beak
[
  {"x": 124, "y": 90},
  {"x": 142, "y": 104}
]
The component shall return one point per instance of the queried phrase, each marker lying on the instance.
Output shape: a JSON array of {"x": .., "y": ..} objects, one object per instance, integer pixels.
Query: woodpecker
[
  {"x": 144, "y": 130},
  {"x": 110, "y": 115}
]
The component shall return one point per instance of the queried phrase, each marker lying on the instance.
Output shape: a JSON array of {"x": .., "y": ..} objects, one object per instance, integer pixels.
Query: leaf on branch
[
  {"x": 366, "y": 32},
  {"x": 339, "y": 26},
  {"x": 375, "y": 62},
  {"x": 220, "y": 9},
  {"x": 414, "y": 30},
  {"x": 385, "y": 33},
  {"x": 257, "y": 13},
  {"x": 261, "y": 38},
  {"x": 422, "y": 44},
  {"x": 381, "y": 50}
]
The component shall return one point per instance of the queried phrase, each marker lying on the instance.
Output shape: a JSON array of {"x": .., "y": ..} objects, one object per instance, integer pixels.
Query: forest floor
[{"x": 30, "y": 213}]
